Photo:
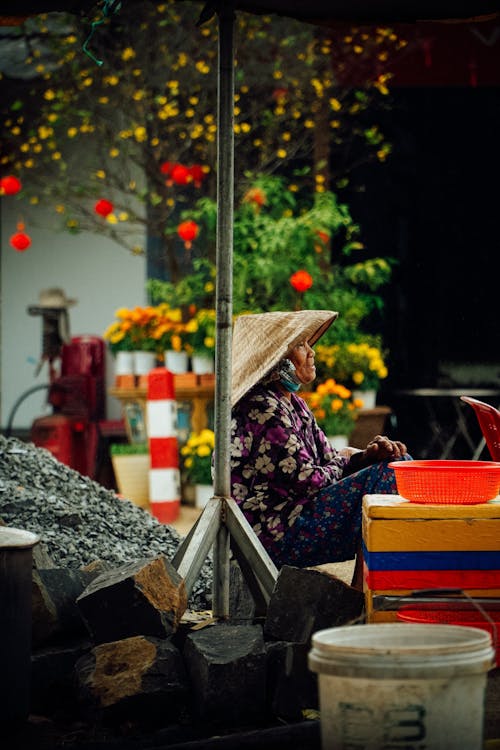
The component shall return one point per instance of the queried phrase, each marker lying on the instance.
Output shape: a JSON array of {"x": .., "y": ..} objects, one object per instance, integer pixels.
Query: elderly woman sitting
[{"x": 301, "y": 496}]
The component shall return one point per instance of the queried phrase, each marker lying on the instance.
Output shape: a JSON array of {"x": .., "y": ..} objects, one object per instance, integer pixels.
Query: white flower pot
[
  {"x": 124, "y": 363},
  {"x": 369, "y": 398},
  {"x": 202, "y": 494},
  {"x": 338, "y": 441},
  {"x": 176, "y": 362},
  {"x": 202, "y": 364},
  {"x": 143, "y": 362}
]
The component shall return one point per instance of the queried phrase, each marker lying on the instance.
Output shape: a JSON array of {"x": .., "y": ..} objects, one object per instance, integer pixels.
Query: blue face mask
[{"x": 287, "y": 376}]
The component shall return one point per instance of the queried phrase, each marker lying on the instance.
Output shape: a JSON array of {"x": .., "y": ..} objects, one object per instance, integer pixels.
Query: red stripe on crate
[{"x": 422, "y": 579}]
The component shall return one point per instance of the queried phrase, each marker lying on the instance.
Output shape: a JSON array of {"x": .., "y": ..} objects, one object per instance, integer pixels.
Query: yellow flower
[
  {"x": 128, "y": 54},
  {"x": 176, "y": 342},
  {"x": 140, "y": 134}
]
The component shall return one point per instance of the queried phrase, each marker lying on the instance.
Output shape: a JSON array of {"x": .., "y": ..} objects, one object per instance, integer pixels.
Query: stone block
[
  {"x": 139, "y": 679},
  {"x": 147, "y": 597},
  {"x": 305, "y": 600},
  {"x": 54, "y": 608},
  {"x": 52, "y": 678},
  {"x": 226, "y": 665},
  {"x": 291, "y": 686}
]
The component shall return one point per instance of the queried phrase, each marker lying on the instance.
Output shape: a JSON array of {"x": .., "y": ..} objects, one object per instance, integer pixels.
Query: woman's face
[{"x": 302, "y": 357}]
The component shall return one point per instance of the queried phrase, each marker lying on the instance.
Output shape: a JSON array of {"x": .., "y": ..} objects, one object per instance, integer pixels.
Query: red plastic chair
[{"x": 489, "y": 421}]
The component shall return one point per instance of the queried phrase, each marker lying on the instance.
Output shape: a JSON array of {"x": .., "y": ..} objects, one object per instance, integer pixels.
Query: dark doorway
[{"x": 435, "y": 208}]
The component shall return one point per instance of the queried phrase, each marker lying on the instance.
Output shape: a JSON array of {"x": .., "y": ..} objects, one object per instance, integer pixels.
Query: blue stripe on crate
[{"x": 432, "y": 560}]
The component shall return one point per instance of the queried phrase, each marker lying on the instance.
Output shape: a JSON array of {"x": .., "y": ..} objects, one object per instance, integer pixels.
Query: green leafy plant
[
  {"x": 292, "y": 250},
  {"x": 128, "y": 449}
]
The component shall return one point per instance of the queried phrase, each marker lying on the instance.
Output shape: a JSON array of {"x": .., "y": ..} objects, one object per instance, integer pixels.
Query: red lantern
[
  {"x": 188, "y": 231},
  {"x": 103, "y": 207},
  {"x": 197, "y": 174},
  {"x": 180, "y": 175},
  {"x": 10, "y": 185},
  {"x": 301, "y": 281},
  {"x": 20, "y": 241}
]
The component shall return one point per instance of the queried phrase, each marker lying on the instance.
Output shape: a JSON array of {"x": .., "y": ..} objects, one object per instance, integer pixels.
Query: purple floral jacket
[{"x": 280, "y": 460}]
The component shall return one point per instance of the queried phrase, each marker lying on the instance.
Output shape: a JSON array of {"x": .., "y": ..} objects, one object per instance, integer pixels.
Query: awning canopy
[{"x": 313, "y": 11}]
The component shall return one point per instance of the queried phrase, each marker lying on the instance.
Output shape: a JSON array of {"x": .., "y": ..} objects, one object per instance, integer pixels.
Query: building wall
[{"x": 101, "y": 275}]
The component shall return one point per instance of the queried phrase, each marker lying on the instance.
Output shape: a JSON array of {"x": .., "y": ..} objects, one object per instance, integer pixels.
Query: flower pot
[
  {"x": 124, "y": 363},
  {"x": 132, "y": 477},
  {"x": 176, "y": 362},
  {"x": 143, "y": 362},
  {"x": 202, "y": 364},
  {"x": 368, "y": 398},
  {"x": 202, "y": 494},
  {"x": 338, "y": 441}
]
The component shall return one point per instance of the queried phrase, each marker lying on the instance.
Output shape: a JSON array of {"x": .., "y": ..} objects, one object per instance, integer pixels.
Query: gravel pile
[{"x": 78, "y": 520}]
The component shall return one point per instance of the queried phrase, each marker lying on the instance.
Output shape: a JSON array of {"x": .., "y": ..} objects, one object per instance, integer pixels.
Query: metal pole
[
  {"x": 224, "y": 298},
  {"x": 221, "y": 519}
]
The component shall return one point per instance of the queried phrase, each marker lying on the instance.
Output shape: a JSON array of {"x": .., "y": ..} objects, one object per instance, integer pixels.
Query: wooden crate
[{"x": 411, "y": 547}]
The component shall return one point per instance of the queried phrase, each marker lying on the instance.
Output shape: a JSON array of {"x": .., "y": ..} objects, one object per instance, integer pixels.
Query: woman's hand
[
  {"x": 378, "y": 449},
  {"x": 381, "y": 449}
]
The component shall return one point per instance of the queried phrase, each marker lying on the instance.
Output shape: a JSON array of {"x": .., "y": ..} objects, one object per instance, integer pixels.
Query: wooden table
[{"x": 199, "y": 396}]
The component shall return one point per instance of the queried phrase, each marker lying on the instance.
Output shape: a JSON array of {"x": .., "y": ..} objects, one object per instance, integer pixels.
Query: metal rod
[{"x": 224, "y": 292}]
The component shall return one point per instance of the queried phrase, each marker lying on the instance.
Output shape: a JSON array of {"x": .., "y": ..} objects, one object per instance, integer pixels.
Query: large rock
[
  {"x": 147, "y": 597},
  {"x": 227, "y": 670},
  {"x": 305, "y": 600},
  {"x": 54, "y": 608},
  {"x": 141, "y": 679}
]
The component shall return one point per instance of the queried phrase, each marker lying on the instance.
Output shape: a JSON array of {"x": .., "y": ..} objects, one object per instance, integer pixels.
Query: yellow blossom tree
[{"x": 121, "y": 109}]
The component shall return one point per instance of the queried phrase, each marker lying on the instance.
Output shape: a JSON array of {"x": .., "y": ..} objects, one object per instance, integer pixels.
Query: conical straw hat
[{"x": 260, "y": 341}]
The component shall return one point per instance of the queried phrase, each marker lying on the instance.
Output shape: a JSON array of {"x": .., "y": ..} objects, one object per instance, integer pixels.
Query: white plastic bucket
[{"x": 401, "y": 686}]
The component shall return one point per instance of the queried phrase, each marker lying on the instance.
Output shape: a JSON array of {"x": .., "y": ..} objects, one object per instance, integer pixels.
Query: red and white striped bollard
[{"x": 161, "y": 419}]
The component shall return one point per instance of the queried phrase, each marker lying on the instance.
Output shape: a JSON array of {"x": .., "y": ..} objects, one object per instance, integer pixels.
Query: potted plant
[
  {"x": 197, "y": 460},
  {"x": 131, "y": 465},
  {"x": 131, "y": 339},
  {"x": 335, "y": 410},
  {"x": 358, "y": 364}
]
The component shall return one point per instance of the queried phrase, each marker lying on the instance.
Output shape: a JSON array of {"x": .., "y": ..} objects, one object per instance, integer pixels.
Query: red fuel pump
[
  {"x": 76, "y": 389},
  {"x": 77, "y": 396}
]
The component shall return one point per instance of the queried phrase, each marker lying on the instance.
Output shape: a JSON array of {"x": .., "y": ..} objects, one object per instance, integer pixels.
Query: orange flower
[{"x": 301, "y": 281}]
